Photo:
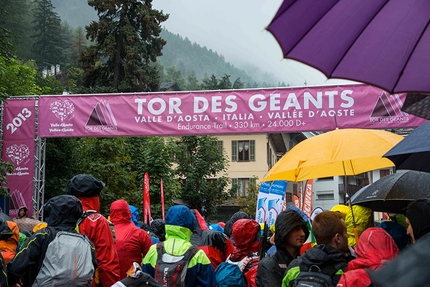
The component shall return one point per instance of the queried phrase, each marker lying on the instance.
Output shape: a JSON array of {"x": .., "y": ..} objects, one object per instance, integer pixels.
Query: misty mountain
[{"x": 179, "y": 52}]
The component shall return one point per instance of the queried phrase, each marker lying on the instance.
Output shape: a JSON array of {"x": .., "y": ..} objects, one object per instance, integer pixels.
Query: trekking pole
[{"x": 350, "y": 204}]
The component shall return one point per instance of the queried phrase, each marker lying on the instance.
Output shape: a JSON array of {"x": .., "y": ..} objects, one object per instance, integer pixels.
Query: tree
[
  {"x": 224, "y": 83},
  {"x": 152, "y": 155},
  {"x": 47, "y": 48},
  {"x": 127, "y": 42},
  {"x": 109, "y": 160},
  {"x": 211, "y": 83},
  {"x": 78, "y": 45},
  {"x": 68, "y": 37},
  {"x": 238, "y": 84},
  {"x": 17, "y": 79},
  {"x": 173, "y": 75},
  {"x": 193, "y": 83},
  {"x": 61, "y": 164},
  {"x": 15, "y": 20},
  {"x": 201, "y": 170},
  {"x": 248, "y": 203}
]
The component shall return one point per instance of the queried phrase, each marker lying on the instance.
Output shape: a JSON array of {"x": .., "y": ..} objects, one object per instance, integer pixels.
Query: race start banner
[
  {"x": 223, "y": 112},
  {"x": 18, "y": 148},
  {"x": 274, "y": 110}
]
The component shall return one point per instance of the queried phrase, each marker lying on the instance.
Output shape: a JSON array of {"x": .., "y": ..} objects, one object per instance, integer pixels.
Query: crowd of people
[{"x": 117, "y": 250}]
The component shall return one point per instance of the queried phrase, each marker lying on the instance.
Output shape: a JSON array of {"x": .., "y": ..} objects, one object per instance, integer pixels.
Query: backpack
[
  {"x": 171, "y": 270},
  {"x": 67, "y": 262},
  {"x": 314, "y": 277},
  {"x": 230, "y": 274}
]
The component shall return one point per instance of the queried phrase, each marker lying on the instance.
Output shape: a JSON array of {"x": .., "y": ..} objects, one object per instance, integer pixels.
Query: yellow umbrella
[
  {"x": 335, "y": 153},
  {"x": 341, "y": 152}
]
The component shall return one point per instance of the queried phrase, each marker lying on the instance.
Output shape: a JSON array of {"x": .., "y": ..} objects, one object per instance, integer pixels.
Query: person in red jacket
[
  {"x": 95, "y": 226},
  {"x": 246, "y": 234},
  {"x": 375, "y": 247},
  {"x": 132, "y": 243},
  {"x": 216, "y": 245}
]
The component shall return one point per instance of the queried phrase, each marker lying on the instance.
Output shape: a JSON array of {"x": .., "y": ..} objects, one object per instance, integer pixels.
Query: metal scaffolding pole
[{"x": 38, "y": 198}]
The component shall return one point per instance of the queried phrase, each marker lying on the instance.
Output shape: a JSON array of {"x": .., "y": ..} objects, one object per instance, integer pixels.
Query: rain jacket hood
[
  {"x": 63, "y": 210},
  {"x": 84, "y": 185},
  {"x": 25, "y": 209},
  {"x": 120, "y": 212},
  {"x": 363, "y": 217},
  {"x": 417, "y": 212},
  {"x": 157, "y": 227},
  {"x": 134, "y": 215},
  {"x": 374, "y": 248},
  {"x": 90, "y": 203},
  {"x": 5, "y": 231},
  {"x": 246, "y": 236},
  {"x": 285, "y": 222},
  {"x": 180, "y": 221},
  {"x": 342, "y": 209},
  {"x": 235, "y": 217}
]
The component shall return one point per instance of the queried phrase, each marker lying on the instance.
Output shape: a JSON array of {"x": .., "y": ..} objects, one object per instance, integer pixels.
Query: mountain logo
[
  {"x": 388, "y": 109},
  {"x": 101, "y": 118}
]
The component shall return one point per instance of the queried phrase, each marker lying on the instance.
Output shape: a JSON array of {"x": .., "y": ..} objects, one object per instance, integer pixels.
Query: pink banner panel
[
  {"x": 18, "y": 148},
  {"x": 223, "y": 112}
]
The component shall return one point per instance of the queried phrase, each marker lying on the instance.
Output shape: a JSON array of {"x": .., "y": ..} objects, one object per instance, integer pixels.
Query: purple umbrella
[{"x": 384, "y": 43}]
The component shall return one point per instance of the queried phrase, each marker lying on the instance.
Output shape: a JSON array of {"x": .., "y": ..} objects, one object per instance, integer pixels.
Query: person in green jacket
[
  {"x": 331, "y": 254},
  {"x": 179, "y": 225}
]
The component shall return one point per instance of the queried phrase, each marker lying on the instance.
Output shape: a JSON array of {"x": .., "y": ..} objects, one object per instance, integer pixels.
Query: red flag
[
  {"x": 307, "y": 202},
  {"x": 146, "y": 200},
  {"x": 296, "y": 201},
  {"x": 162, "y": 197}
]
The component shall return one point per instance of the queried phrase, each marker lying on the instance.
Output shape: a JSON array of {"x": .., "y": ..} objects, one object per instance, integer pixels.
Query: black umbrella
[
  {"x": 394, "y": 192},
  {"x": 418, "y": 105},
  {"x": 413, "y": 152}
]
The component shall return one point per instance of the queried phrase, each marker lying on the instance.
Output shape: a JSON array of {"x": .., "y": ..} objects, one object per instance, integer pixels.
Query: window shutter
[
  {"x": 252, "y": 150},
  {"x": 234, "y": 183},
  {"x": 234, "y": 151}
]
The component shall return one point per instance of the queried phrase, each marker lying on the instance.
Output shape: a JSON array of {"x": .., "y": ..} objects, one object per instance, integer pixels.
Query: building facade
[{"x": 251, "y": 156}]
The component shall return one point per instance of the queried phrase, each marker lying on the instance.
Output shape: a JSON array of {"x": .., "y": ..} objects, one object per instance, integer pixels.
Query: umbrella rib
[{"x": 356, "y": 38}]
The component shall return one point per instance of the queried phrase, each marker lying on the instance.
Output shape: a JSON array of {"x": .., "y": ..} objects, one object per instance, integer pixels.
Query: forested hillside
[
  {"x": 190, "y": 58},
  {"x": 179, "y": 52}
]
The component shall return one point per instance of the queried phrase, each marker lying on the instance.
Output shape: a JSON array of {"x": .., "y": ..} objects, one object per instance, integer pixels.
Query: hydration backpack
[
  {"x": 171, "y": 270},
  {"x": 68, "y": 261},
  {"x": 230, "y": 274},
  {"x": 314, "y": 277}
]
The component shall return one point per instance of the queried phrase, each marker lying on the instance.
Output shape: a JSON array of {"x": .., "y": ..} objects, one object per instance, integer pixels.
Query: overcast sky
[{"x": 236, "y": 29}]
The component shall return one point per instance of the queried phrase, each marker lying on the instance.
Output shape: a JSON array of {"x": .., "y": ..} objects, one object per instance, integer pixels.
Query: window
[
  {"x": 243, "y": 150},
  {"x": 329, "y": 178},
  {"x": 220, "y": 147},
  {"x": 325, "y": 195},
  {"x": 242, "y": 185}
]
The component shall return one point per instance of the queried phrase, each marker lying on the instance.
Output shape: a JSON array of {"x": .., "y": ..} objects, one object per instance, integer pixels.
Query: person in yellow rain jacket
[{"x": 363, "y": 218}]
